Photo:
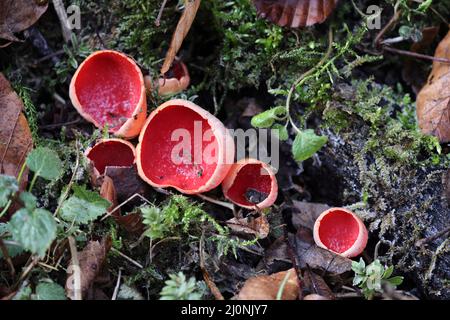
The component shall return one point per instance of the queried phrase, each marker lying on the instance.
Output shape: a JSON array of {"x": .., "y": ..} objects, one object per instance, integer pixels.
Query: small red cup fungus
[
  {"x": 108, "y": 90},
  {"x": 174, "y": 81},
  {"x": 110, "y": 153},
  {"x": 341, "y": 231},
  {"x": 251, "y": 183},
  {"x": 185, "y": 147}
]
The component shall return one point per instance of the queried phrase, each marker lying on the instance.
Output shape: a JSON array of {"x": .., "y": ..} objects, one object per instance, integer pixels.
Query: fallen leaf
[
  {"x": 306, "y": 213},
  {"x": 183, "y": 26},
  {"x": 108, "y": 192},
  {"x": 15, "y": 135},
  {"x": 90, "y": 260},
  {"x": 266, "y": 287},
  {"x": 295, "y": 13},
  {"x": 18, "y": 15},
  {"x": 433, "y": 101},
  {"x": 258, "y": 227},
  {"x": 309, "y": 254},
  {"x": 317, "y": 287}
]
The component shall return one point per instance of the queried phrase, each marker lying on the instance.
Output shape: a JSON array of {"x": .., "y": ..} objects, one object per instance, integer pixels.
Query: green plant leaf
[
  {"x": 84, "y": 206},
  {"x": 307, "y": 143},
  {"x": 388, "y": 272},
  {"x": 280, "y": 131},
  {"x": 395, "y": 281},
  {"x": 35, "y": 229},
  {"x": 267, "y": 118},
  {"x": 49, "y": 291},
  {"x": 45, "y": 163},
  {"x": 28, "y": 200},
  {"x": 8, "y": 186}
]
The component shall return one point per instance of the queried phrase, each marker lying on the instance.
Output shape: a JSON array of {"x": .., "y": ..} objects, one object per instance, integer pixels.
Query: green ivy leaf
[
  {"x": 8, "y": 186},
  {"x": 35, "y": 229},
  {"x": 45, "y": 163},
  {"x": 280, "y": 131},
  {"x": 49, "y": 291},
  {"x": 267, "y": 118},
  {"x": 307, "y": 143},
  {"x": 84, "y": 206}
]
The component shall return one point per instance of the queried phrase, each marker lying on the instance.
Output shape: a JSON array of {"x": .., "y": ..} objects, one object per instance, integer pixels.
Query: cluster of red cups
[{"x": 109, "y": 89}]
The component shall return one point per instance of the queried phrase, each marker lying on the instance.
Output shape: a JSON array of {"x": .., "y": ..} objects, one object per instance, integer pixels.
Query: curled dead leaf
[
  {"x": 306, "y": 213},
  {"x": 258, "y": 227},
  {"x": 108, "y": 192},
  {"x": 91, "y": 260},
  {"x": 266, "y": 287},
  {"x": 15, "y": 134},
  {"x": 295, "y": 13},
  {"x": 309, "y": 254},
  {"x": 317, "y": 287},
  {"x": 433, "y": 101},
  {"x": 18, "y": 15},
  {"x": 127, "y": 182},
  {"x": 183, "y": 27}
]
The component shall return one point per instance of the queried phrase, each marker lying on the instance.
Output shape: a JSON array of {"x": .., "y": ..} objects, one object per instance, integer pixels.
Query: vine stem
[{"x": 305, "y": 76}]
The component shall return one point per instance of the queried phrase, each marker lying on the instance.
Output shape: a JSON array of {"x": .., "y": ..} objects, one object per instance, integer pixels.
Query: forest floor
[{"x": 354, "y": 86}]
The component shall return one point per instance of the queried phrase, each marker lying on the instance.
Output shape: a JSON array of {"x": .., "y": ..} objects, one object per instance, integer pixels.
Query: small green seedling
[{"x": 374, "y": 278}]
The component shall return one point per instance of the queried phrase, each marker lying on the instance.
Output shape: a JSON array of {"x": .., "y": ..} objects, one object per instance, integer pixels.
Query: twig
[
  {"x": 218, "y": 202},
  {"x": 158, "y": 18},
  {"x": 137, "y": 264},
  {"x": 124, "y": 203},
  {"x": 116, "y": 289},
  {"x": 415, "y": 54},
  {"x": 212, "y": 286},
  {"x": 388, "y": 26},
  {"x": 441, "y": 233},
  {"x": 64, "y": 21},
  {"x": 76, "y": 269}
]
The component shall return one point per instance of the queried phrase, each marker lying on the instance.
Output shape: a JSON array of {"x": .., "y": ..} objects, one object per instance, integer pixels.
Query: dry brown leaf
[
  {"x": 258, "y": 227},
  {"x": 433, "y": 101},
  {"x": 267, "y": 287},
  {"x": 108, "y": 192},
  {"x": 183, "y": 26},
  {"x": 127, "y": 182},
  {"x": 306, "y": 213},
  {"x": 15, "y": 134},
  {"x": 309, "y": 254},
  {"x": 90, "y": 260},
  {"x": 18, "y": 15},
  {"x": 295, "y": 13},
  {"x": 317, "y": 287}
]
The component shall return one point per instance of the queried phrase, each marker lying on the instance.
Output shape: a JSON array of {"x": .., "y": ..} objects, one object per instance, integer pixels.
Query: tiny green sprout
[
  {"x": 45, "y": 163},
  {"x": 373, "y": 278}
]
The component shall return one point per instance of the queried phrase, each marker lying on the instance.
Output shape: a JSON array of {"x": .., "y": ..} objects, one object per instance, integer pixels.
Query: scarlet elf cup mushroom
[
  {"x": 341, "y": 231},
  {"x": 174, "y": 81},
  {"x": 108, "y": 90},
  {"x": 251, "y": 183},
  {"x": 110, "y": 153},
  {"x": 185, "y": 147}
]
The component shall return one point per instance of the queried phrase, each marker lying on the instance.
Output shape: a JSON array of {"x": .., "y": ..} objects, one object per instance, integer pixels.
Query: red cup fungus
[
  {"x": 110, "y": 153},
  {"x": 174, "y": 81},
  {"x": 108, "y": 90},
  {"x": 251, "y": 183},
  {"x": 341, "y": 231},
  {"x": 185, "y": 147}
]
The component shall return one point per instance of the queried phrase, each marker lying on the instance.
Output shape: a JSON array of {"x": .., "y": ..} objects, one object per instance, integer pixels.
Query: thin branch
[
  {"x": 158, "y": 18},
  {"x": 137, "y": 264},
  {"x": 63, "y": 19},
  {"x": 416, "y": 55},
  {"x": 441, "y": 233},
  {"x": 116, "y": 289},
  {"x": 76, "y": 269}
]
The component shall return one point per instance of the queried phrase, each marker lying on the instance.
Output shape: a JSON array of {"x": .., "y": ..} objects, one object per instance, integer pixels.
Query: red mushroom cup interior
[
  {"x": 111, "y": 153},
  {"x": 250, "y": 183},
  {"x": 172, "y": 152},
  {"x": 341, "y": 231},
  {"x": 108, "y": 89}
]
